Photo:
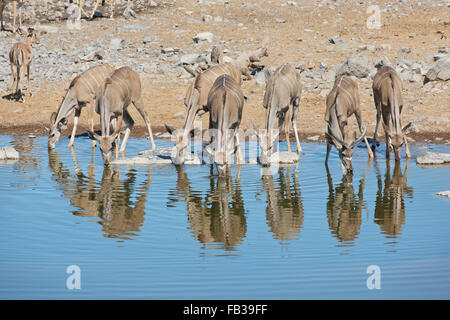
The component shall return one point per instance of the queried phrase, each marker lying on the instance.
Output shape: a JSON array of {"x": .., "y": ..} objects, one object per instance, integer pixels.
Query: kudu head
[
  {"x": 223, "y": 152},
  {"x": 55, "y": 130},
  {"x": 181, "y": 143},
  {"x": 32, "y": 34},
  {"x": 396, "y": 140},
  {"x": 106, "y": 144},
  {"x": 345, "y": 147}
]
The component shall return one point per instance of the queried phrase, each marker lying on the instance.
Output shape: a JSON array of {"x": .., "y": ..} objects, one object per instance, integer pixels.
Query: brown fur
[{"x": 387, "y": 94}]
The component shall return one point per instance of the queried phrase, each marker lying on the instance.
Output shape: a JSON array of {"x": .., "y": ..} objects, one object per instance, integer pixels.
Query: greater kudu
[
  {"x": 225, "y": 105},
  {"x": 283, "y": 90},
  {"x": 114, "y": 95},
  {"x": 342, "y": 102},
  {"x": 196, "y": 100},
  {"x": 387, "y": 94},
  {"x": 81, "y": 92},
  {"x": 20, "y": 58}
]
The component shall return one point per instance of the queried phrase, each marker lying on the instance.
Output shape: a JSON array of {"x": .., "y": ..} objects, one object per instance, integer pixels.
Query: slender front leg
[
  {"x": 239, "y": 157},
  {"x": 14, "y": 16},
  {"x": 286, "y": 130},
  {"x": 294, "y": 124},
  {"x": 388, "y": 145},
  {"x": 129, "y": 123},
  {"x": 369, "y": 149},
  {"x": 328, "y": 151},
  {"x": 20, "y": 81},
  {"x": 138, "y": 105},
  {"x": 112, "y": 9},
  {"x": 95, "y": 8},
  {"x": 28, "y": 79},
  {"x": 408, "y": 154},
  {"x": 280, "y": 126},
  {"x": 14, "y": 78},
  {"x": 91, "y": 111},
  {"x": 75, "y": 123}
]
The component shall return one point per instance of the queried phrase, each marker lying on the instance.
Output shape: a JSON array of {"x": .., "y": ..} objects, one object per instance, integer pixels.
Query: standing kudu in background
[
  {"x": 20, "y": 58},
  {"x": 81, "y": 92},
  {"x": 342, "y": 102},
  {"x": 387, "y": 93},
  {"x": 225, "y": 105},
  {"x": 283, "y": 89},
  {"x": 16, "y": 5},
  {"x": 196, "y": 100},
  {"x": 113, "y": 97}
]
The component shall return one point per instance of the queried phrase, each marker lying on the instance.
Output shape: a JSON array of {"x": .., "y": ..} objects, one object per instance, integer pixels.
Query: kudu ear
[
  {"x": 92, "y": 135},
  {"x": 63, "y": 123},
  {"x": 333, "y": 140},
  {"x": 405, "y": 128},
  {"x": 53, "y": 118},
  {"x": 169, "y": 128}
]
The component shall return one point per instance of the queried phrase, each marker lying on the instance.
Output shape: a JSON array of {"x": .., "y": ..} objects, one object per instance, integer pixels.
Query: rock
[
  {"x": 207, "y": 18},
  {"x": 443, "y": 193},
  {"x": 384, "y": 61},
  {"x": 335, "y": 39},
  {"x": 433, "y": 158},
  {"x": 279, "y": 20},
  {"x": 147, "y": 40},
  {"x": 203, "y": 36},
  {"x": 170, "y": 50},
  {"x": 404, "y": 50},
  {"x": 284, "y": 157},
  {"x": 158, "y": 156},
  {"x": 440, "y": 70},
  {"x": 179, "y": 115},
  {"x": 443, "y": 50},
  {"x": 314, "y": 138},
  {"x": 8, "y": 153},
  {"x": 116, "y": 43},
  {"x": 128, "y": 13},
  {"x": 355, "y": 65},
  {"x": 191, "y": 59}
]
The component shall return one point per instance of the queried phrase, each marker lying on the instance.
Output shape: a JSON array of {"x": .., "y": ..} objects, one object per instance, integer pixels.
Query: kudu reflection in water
[
  {"x": 217, "y": 217},
  {"x": 344, "y": 206},
  {"x": 108, "y": 199},
  {"x": 284, "y": 211},
  {"x": 390, "y": 200}
]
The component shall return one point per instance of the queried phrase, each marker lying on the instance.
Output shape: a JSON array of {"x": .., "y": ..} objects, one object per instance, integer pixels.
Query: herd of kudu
[{"x": 217, "y": 90}]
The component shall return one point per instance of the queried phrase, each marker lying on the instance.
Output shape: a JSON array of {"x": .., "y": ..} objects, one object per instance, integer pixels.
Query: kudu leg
[
  {"x": 28, "y": 79},
  {"x": 369, "y": 149},
  {"x": 91, "y": 112},
  {"x": 138, "y": 105},
  {"x": 75, "y": 123},
  {"x": 408, "y": 154},
  {"x": 280, "y": 125},
  {"x": 286, "y": 130},
  {"x": 374, "y": 142},
  {"x": 328, "y": 152},
  {"x": 294, "y": 124},
  {"x": 14, "y": 77},
  {"x": 129, "y": 122},
  {"x": 94, "y": 9}
]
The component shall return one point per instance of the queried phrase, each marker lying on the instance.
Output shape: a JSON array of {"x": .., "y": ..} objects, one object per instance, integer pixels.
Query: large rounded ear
[
  {"x": 63, "y": 123},
  {"x": 53, "y": 118},
  {"x": 92, "y": 135},
  {"x": 406, "y": 127}
]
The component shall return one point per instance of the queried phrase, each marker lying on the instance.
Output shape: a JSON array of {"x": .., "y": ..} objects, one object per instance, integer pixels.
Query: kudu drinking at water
[
  {"x": 113, "y": 97},
  {"x": 342, "y": 102},
  {"x": 196, "y": 100},
  {"x": 387, "y": 93},
  {"x": 283, "y": 89},
  {"x": 20, "y": 58},
  {"x": 81, "y": 92},
  {"x": 225, "y": 105}
]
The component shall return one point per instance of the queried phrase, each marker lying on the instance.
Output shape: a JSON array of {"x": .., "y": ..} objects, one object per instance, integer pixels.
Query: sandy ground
[{"x": 303, "y": 37}]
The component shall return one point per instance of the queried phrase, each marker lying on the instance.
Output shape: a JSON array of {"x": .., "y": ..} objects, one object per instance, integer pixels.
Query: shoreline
[{"x": 141, "y": 131}]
